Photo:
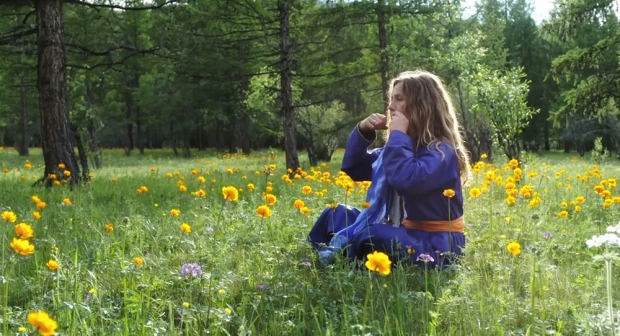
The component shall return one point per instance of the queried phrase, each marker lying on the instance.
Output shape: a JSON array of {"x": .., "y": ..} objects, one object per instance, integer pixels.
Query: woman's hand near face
[
  {"x": 399, "y": 122},
  {"x": 373, "y": 122}
]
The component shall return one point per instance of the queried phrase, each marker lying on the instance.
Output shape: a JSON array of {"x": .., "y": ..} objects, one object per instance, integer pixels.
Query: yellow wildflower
[{"x": 378, "y": 262}]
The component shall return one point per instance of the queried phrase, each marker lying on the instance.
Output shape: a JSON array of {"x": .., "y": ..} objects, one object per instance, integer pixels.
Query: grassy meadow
[{"x": 151, "y": 247}]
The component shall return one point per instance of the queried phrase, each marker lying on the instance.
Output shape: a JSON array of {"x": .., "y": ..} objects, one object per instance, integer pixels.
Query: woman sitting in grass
[{"x": 416, "y": 199}]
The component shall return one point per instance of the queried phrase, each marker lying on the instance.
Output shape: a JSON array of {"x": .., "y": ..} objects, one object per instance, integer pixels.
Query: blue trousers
[{"x": 399, "y": 243}]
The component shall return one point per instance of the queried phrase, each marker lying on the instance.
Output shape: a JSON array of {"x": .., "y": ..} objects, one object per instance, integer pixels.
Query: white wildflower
[
  {"x": 608, "y": 239},
  {"x": 614, "y": 229}
]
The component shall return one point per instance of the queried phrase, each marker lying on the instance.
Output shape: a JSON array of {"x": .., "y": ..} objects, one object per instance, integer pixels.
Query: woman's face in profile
[{"x": 397, "y": 101}]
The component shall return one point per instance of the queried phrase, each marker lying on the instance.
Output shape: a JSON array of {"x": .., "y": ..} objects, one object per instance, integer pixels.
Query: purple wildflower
[
  {"x": 192, "y": 269},
  {"x": 306, "y": 262},
  {"x": 547, "y": 235},
  {"x": 426, "y": 258},
  {"x": 261, "y": 287}
]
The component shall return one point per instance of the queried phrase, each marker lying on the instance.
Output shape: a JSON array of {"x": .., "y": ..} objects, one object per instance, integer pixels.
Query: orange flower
[
  {"x": 263, "y": 211},
  {"x": 378, "y": 262},
  {"x": 186, "y": 228},
  {"x": 298, "y": 204},
  {"x": 138, "y": 261},
  {"x": 474, "y": 192},
  {"x": 271, "y": 199},
  {"x": 52, "y": 265},
  {"x": 306, "y": 189},
  {"x": 514, "y": 248},
  {"x": 22, "y": 246},
  {"x": 43, "y": 322},
  {"x": 449, "y": 193},
  {"x": 513, "y": 163},
  {"x": 9, "y": 216},
  {"x": 230, "y": 193},
  {"x": 24, "y": 231}
]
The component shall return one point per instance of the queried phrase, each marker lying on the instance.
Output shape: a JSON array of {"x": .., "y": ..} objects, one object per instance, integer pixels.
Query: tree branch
[
  {"x": 111, "y": 64},
  {"x": 90, "y": 52},
  {"x": 97, "y": 6},
  {"x": 12, "y": 38},
  {"x": 25, "y": 20}
]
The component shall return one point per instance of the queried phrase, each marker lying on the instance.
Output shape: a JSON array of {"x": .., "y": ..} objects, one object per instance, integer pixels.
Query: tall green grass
[{"x": 260, "y": 277}]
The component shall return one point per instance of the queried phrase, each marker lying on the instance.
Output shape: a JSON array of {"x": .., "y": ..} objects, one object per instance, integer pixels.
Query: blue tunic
[{"x": 420, "y": 177}]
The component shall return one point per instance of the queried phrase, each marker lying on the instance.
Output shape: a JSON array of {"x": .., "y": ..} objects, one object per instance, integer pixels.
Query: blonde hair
[{"x": 432, "y": 118}]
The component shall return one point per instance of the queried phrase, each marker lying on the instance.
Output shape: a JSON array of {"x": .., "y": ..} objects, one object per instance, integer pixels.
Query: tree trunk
[
  {"x": 187, "y": 151},
  {"x": 245, "y": 123},
  {"x": 469, "y": 141},
  {"x": 25, "y": 140},
  {"x": 288, "y": 116},
  {"x": 91, "y": 132},
  {"x": 385, "y": 85},
  {"x": 129, "y": 116},
  {"x": 52, "y": 86},
  {"x": 81, "y": 150},
  {"x": 95, "y": 151},
  {"x": 245, "y": 132},
  {"x": 231, "y": 137},
  {"x": 546, "y": 135},
  {"x": 218, "y": 136},
  {"x": 139, "y": 131},
  {"x": 201, "y": 127}
]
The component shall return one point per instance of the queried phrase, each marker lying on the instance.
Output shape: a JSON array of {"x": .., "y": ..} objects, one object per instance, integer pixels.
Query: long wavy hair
[{"x": 432, "y": 118}]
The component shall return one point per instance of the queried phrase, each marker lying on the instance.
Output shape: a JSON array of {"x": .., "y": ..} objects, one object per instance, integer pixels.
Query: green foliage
[
  {"x": 502, "y": 99},
  {"x": 587, "y": 70},
  {"x": 322, "y": 129},
  {"x": 599, "y": 154},
  {"x": 493, "y": 25},
  {"x": 185, "y": 75}
]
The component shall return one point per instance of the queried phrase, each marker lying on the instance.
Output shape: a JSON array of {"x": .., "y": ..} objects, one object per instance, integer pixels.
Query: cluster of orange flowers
[
  {"x": 24, "y": 231},
  {"x": 20, "y": 244},
  {"x": 43, "y": 322},
  {"x": 526, "y": 191}
]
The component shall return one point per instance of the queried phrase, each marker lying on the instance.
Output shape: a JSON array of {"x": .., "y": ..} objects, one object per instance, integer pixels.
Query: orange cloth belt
[{"x": 456, "y": 225}]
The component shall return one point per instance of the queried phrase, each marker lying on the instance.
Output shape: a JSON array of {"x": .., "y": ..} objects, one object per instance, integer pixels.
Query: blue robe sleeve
[
  {"x": 417, "y": 175},
  {"x": 357, "y": 161}
]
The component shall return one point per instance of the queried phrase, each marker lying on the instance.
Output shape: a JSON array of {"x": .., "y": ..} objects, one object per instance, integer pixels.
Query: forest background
[{"x": 240, "y": 75}]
